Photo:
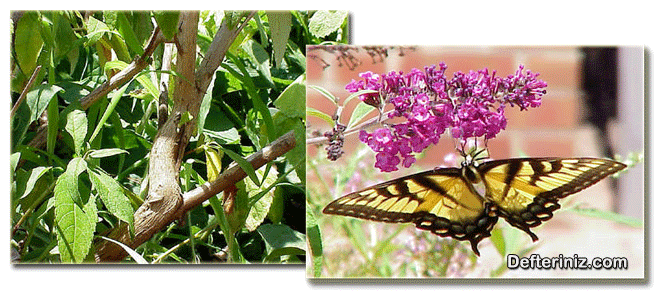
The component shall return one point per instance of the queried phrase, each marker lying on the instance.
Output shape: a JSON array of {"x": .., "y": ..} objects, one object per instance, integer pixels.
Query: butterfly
[{"x": 465, "y": 203}]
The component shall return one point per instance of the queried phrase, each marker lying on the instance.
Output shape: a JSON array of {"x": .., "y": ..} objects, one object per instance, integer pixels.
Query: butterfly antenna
[{"x": 461, "y": 150}]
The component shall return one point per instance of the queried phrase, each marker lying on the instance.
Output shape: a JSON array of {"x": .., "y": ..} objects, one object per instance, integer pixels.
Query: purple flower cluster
[{"x": 470, "y": 105}]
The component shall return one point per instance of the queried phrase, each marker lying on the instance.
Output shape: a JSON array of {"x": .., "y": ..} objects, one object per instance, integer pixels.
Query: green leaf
[
  {"x": 185, "y": 118},
  {"x": 28, "y": 42},
  {"x": 281, "y": 240},
  {"x": 106, "y": 153},
  {"x": 360, "y": 112},
  {"x": 66, "y": 41},
  {"x": 119, "y": 47},
  {"x": 321, "y": 115},
  {"x": 297, "y": 155},
  {"x": 76, "y": 223},
  {"x": 67, "y": 183},
  {"x": 205, "y": 106},
  {"x": 324, "y": 23},
  {"x": 280, "y": 27},
  {"x": 608, "y": 215},
  {"x": 244, "y": 164},
  {"x": 258, "y": 211},
  {"x": 142, "y": 78},
  {"x": 53, "y": 113},
  {"x": 95, "y": 30},
  {"x": 498, "y": 241},
  {"x": 13, "y": 161},
  {"x": 38, "y": 98},
  {"x": 292, "y": 99},
  {"x": 112, "y": 195},
  {"x": 168, "y": 21},
  {"x": 313, "y": 232},
  {"x": 313, "y": 235},
  {"x": 76, "y": 126},
  {"x": 276, "y": 210},
  {"x": 264, "y": 193},
  {"x": 31, "y": 187},
  {"x": 135, "y": 255},
  {"x": 19, "y": 125},
  {"x": 116, "y": 96},
  {"x": 257, "y": 101},
  {"x": 219, "y": 126},
  {"x": 230, "y": 136},
  {"x": 357, "y": 94},
  {"x": 128, "y": 33},
  {"x": 327, "y": 94},
  {"x": 258, "y": 55},
  {"x": 35, "y": 175}
]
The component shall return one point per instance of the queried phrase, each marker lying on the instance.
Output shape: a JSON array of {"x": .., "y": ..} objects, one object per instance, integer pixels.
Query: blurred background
[{"x": 594, "y": 107}]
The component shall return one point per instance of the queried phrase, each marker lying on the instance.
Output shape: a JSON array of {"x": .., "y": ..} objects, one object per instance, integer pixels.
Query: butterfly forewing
[{"x": 526, "y": 191}]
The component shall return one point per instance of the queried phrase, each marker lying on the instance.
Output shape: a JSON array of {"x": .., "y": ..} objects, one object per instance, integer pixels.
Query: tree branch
[
  {"x": 234, "y": 173},
  {"x": 164, "y": 196},
  {"x": 195, "y": 198},
  {"x": 216, "y": 52},
  {"x": 125, "y": 75},
  {"x": 115, "y": 82},
  {"x": 25, "y": 91}
]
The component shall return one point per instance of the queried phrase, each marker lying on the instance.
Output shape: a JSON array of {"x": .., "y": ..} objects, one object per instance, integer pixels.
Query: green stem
[
  {"x": 202, "y": 234},
  {"x": 232, "y": 244},
  {"x": 130, "y": 169},
  {"x": 29, "y": 211}
]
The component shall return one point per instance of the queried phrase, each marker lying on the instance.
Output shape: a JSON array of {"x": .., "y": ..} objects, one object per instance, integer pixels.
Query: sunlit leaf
[
  {"x": 135, "y": 255},
  {"x": 76, "y": 126},
  {"x": 35, "y": 175},
  {"x": 28, "y": 42},
  {"x": 39, "y": 97},
  {"x": 106, "y": 153},
  {"x": 76, "y": 224},
  {"x": 361, "y": 111},
  {"x": 168, "y": 21},
  {"x": 112, "y": 195},
  {"x": 292, "y": 99},
  {"x": 280, "y": 27},
  {"x": 259, "y": 210},
  {"x": 281, "y": 240},
  {"x": 324, "y": 23}
]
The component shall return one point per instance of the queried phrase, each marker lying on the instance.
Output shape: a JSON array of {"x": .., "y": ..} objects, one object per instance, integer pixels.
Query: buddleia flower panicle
[
  {"x": 335, "y": 141},
  {"x": 468, "y": 105}
]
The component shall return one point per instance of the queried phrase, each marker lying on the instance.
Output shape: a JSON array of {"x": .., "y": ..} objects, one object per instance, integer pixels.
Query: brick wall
[{"x": 554, "y": 129}]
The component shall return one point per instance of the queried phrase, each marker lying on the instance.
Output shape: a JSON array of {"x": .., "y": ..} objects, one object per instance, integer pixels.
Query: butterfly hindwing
[
  {"x": 438, "y": 200},
  {"x": 527, "y": 190}
]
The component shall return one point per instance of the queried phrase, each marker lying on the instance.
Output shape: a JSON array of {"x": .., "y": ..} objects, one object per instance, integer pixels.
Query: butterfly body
[{"x": 465, "y": 203}]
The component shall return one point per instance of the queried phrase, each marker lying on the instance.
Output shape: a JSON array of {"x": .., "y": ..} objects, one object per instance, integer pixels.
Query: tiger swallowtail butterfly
[{"x": 465, "y": 203}]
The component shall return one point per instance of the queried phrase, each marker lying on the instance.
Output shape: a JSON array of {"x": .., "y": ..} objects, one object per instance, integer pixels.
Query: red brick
[
  {"x": 559, "y": 68},
  {"x": 555, "y": 112},
  {"x": 500, "y": 146},
  {"x": 465, "y": 59},
  {"x": 314, "y": 67},
  {"x": 548, "y": 146}
]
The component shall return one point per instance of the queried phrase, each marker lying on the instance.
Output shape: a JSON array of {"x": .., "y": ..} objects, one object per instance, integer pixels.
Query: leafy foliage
[{"x": 90, "y": 175}]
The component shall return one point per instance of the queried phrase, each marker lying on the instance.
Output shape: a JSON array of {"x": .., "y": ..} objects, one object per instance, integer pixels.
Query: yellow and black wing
[
  {"x": 440, "y": 200},
  {"x": 526, "y": 190}
]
